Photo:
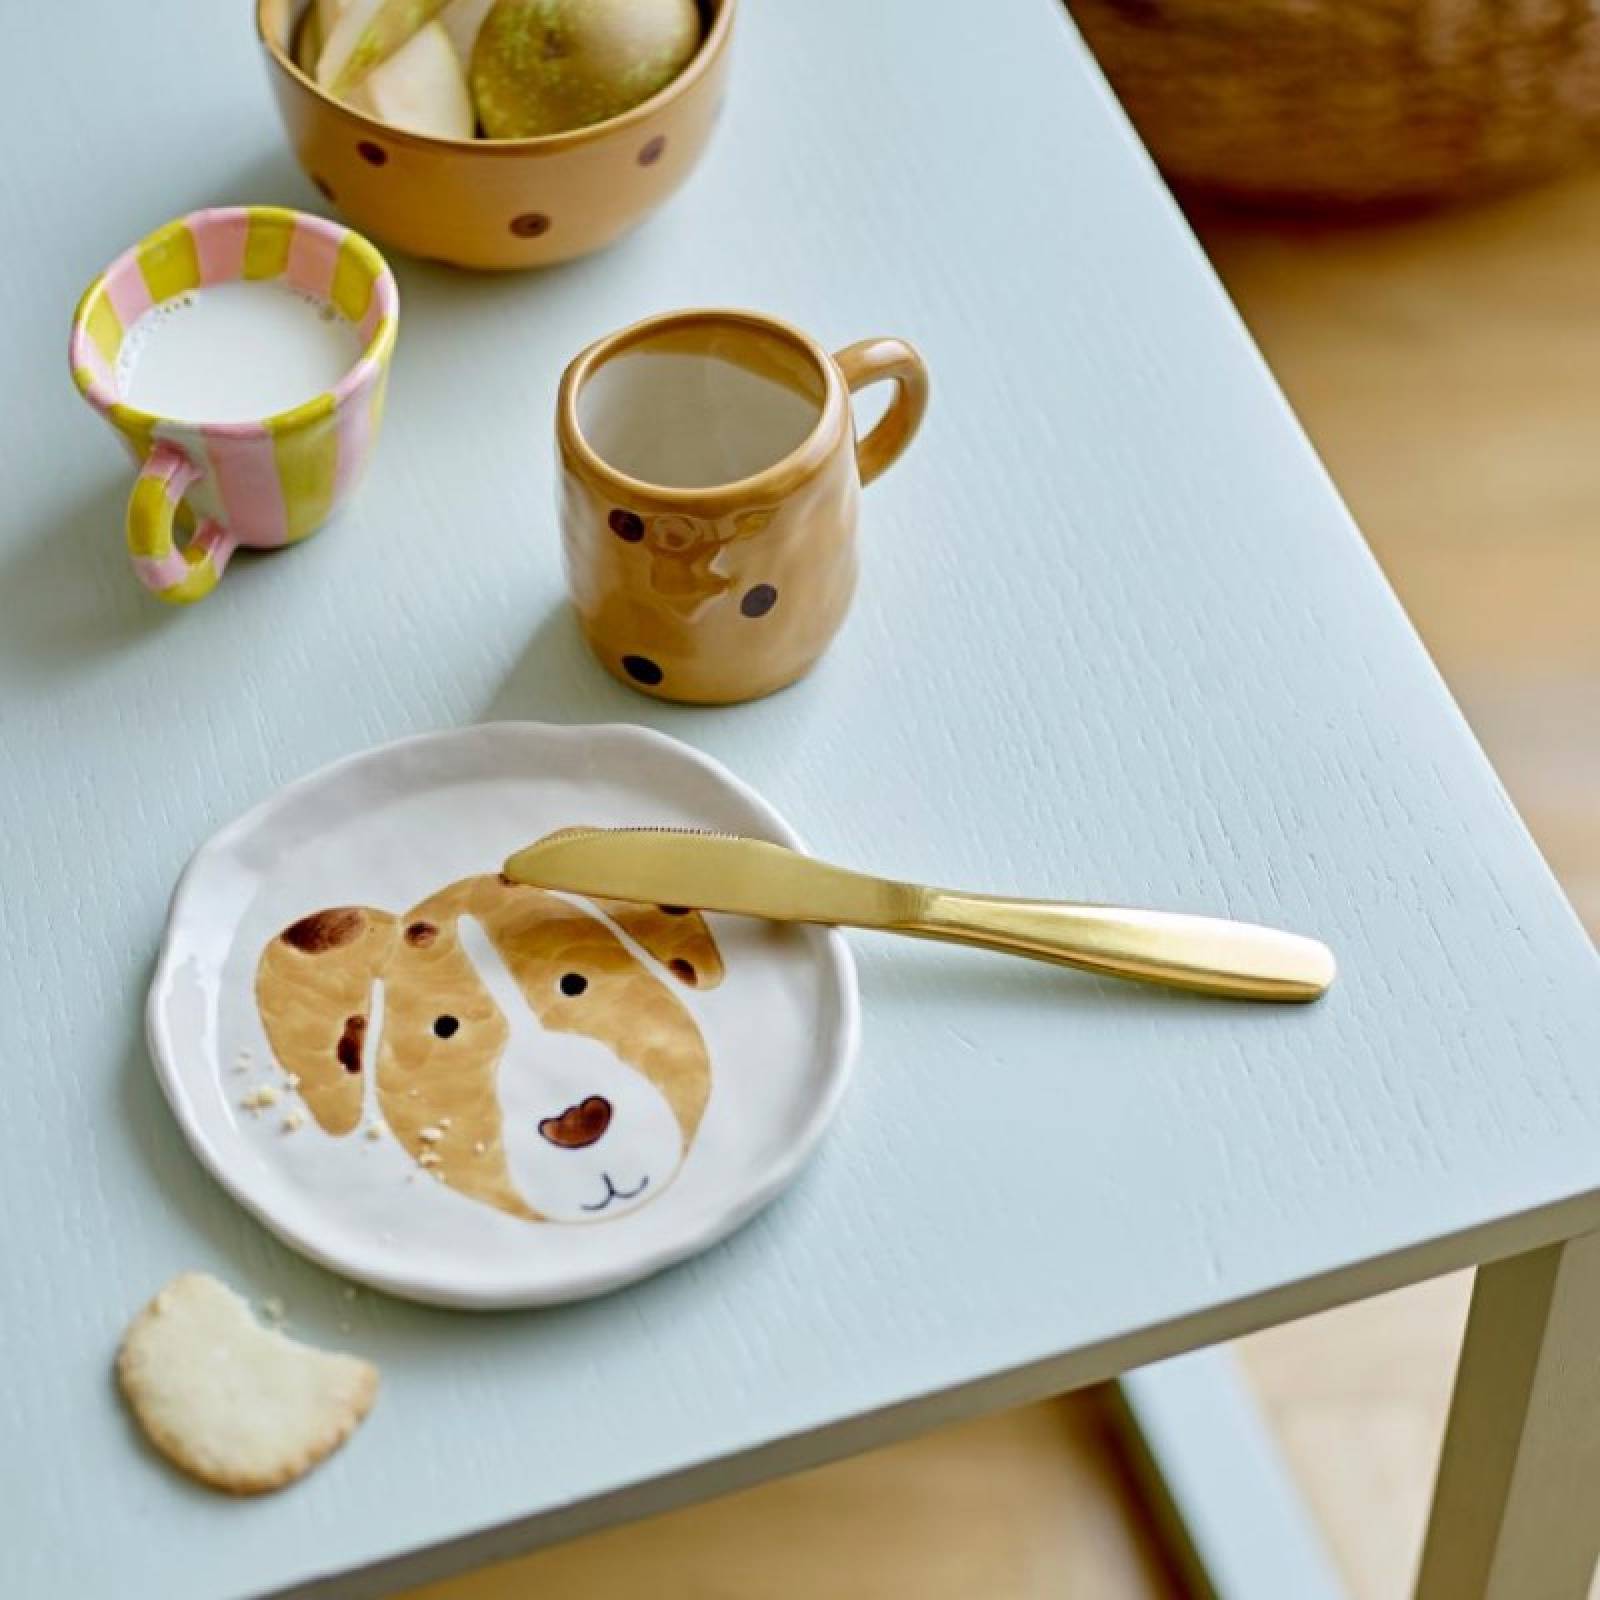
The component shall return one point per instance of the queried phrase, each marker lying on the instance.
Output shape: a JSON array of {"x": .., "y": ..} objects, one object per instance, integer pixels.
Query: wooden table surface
[{"x": 1116, "y": 636}]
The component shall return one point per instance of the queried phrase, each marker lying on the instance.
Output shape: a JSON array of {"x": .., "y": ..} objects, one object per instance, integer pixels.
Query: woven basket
[{"x": 1353, "y": 103}]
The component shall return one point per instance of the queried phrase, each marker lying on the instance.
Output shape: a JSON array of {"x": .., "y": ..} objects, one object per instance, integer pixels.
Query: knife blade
[{"x": 712, "y": 872}]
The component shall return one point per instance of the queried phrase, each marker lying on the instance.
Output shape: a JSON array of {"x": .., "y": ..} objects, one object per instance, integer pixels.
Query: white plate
[{"x": 387, "y": 829}]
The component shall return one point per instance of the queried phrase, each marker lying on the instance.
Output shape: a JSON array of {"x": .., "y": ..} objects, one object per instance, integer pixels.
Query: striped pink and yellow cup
[{"x": 261, "y": 483}]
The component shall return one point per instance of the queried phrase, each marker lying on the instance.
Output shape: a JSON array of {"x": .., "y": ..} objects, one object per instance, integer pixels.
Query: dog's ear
[
  {"x": 747, "y": 524},
  {"x": 677, "y": 937},
  {"x": 314, "y": 992}
]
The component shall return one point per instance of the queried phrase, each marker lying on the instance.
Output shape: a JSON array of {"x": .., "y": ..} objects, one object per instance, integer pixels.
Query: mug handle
[
  {"x": 873, "y": 361},
  {"x": 175, "y": 575}
]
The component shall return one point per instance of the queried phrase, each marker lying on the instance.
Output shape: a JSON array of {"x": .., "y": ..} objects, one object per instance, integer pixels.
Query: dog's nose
[{"x": 578, "y": 1126}]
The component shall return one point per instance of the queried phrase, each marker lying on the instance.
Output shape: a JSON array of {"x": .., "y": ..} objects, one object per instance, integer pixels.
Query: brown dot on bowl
[
  {"x": 684, "y": 971},
  {"x": 372, "y": 153},
  {"x": 650, "y": 151},
  {"x": 627, "y": 525},
  {"x": 642, "y": 670},
  {"x": 324, "y": 188},
  {"x": 530, "y": 224},
  {"x": 759, "y": 601}
]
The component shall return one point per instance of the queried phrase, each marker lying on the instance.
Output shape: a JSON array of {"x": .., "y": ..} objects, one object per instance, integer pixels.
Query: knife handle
[{"x": 1207, "y": 955}]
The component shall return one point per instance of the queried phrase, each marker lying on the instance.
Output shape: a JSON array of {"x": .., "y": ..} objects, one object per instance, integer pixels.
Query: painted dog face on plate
[{"x": 520, "y": 1049}]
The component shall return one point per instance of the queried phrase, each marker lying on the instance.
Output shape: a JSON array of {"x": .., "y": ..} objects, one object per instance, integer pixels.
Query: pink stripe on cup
[
  {"x": 216, "y": 544},
  {"x": 381, "y": 304},
  {"x": 128, "y": 292},
  {"x": 219, "y": 241},
  {"x": 161, "y": 572},
  {"x": 313, "y": 255},
  {"x": 245, "y": 471}
]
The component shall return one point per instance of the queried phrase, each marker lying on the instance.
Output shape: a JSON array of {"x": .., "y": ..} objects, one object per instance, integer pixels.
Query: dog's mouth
[{"x": 613, "y": 1193}]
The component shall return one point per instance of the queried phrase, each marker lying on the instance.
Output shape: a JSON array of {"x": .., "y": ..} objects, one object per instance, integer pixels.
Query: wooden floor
[{"x": 1448, "y": 370}]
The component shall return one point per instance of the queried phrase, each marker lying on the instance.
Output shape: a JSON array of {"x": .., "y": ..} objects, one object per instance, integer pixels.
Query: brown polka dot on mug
[
  {"x": 372, "y": 153},
  {"x": 759, "y": 600},
  {"x": 627, "y": 525},
  {"x": 643, "y": 670},
  {"x": 530, "y": 224},
  {"x": 650, "y": 151}
]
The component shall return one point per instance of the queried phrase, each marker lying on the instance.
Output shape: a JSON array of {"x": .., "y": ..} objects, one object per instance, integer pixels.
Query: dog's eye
[
  {"x": 573, "y": 983},
  {"x": 445, "y": 1026}
]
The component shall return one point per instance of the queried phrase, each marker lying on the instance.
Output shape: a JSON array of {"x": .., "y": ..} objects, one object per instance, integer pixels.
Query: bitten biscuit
[{"x": 236, "y": 1405}]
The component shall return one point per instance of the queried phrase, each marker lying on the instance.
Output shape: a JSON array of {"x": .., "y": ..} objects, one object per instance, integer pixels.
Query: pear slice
[
  {"x": 462, "y": 19},
  {"x": 308, "y": 42},
  {"x": 422, "y": 86},
  {"x": 367, "y": 34},
  {"x": 236, "y": 1405}
]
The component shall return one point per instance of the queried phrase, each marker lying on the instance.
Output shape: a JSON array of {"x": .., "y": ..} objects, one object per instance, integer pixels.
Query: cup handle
[
  {"x": 175, "y": 575},
  {"x": 873, "y": 361}
]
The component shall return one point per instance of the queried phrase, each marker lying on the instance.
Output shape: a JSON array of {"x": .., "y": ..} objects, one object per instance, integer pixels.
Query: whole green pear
[{"x": 544, "y": 66}]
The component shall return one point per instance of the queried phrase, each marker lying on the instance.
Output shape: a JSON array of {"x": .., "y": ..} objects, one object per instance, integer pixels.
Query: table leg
[
  {"x": 1224, "y": 1500},
  {"x": 1516, "y": 1511}
]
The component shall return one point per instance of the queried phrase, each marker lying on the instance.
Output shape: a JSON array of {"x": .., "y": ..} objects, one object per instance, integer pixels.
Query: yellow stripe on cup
[
  {"x": 137, "y": 427},
  {"x": 354, "y": 278},
  {"x": 381, "y": 345},
  {"x": 202, "y": 579},
  {"x": 149, "y": 521},
  {"x": 305, "y": 444},
  {"x": 266, "y": 245},
  {"x": 169, "y": 262},
  {"x": 102, "y": 322}
]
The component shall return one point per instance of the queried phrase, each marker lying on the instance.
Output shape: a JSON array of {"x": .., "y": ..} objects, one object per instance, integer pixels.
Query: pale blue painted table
[{"x": 1116, "y": 637}]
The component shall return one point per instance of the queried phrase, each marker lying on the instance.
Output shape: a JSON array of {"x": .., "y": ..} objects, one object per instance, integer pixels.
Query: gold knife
[{"x": 717, "y": 872}]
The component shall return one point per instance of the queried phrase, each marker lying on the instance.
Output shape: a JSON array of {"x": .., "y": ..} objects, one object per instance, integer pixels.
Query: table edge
[{"x": 1030, "y": 1382}]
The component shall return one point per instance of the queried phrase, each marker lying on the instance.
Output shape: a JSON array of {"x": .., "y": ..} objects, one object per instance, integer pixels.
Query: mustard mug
[
  {"x": 269, "y": 402},
  {"x": 710, "y": 482}
]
